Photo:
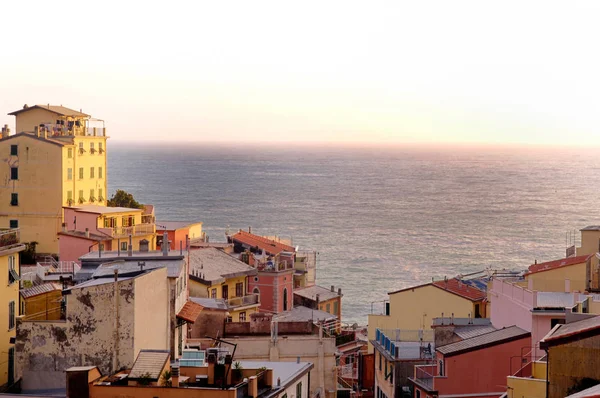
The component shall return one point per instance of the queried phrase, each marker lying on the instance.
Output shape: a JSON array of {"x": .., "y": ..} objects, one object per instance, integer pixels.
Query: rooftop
[
  {"x": 128, "y": 265},
  {"x": 467, "y": 332},
  {"x": 149, "y": 363},
  {"x": 96, "y": 209},
  {"x": 493, "y": 338},
  {"x": 555, "y": 300},
  {"x": 190, "y": 312},
  {"x": 58, "y": 109},
  {"x": 214, "y": 265},
  {"x": 284, "y": 371},
  {"x": 591, "y": 228},
  {"x": 302, "y": 314},
  {"x": 454, "y": 286},
  {"x": 102, "y": 281},
  {"x": 40, "y": 289},
  {"x": 312, "y": 291},
  {"x": 268, "y": 245},
  {"x": 82, "y": 235},
  {"x": 570, "y": 330},
  {"x": 106, "y": 256},
  {"x": 173, "y": 225},
  {"x": 550, "y": 265},
  {"x": 210, "y": 303}
]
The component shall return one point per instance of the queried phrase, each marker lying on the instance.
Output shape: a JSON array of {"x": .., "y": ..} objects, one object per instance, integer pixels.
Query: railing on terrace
[
  {"x": 9, "y": 237},
  {"x": 424, "y": 375},
  {"x": 56, "y": 267},
  {"x": 349, "y": 371},
  {"x": 407, "y": 344},
  {"x": 121, "y": 232},
  {"x": 243, "y": 300},
  {"x": 60, "y": 130}
]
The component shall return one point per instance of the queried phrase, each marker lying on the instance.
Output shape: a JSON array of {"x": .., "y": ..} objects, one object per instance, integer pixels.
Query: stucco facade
[
  {"x": 275, "y": 289},
  {"x": 562, "y": 279},
  {"x": 106, "y": 325}
]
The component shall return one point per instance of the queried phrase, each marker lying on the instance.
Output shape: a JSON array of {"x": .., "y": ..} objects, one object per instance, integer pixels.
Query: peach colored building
[
  {"x": 178, "y": 232},
  {"x": 563, "y": 275},
  {"x": 475, "y": 367}
]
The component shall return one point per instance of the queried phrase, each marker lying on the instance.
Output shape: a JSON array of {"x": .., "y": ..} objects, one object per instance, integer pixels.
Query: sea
[{"x": 381, "y": 218}]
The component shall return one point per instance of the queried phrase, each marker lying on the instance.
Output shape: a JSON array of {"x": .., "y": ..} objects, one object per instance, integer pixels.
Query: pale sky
[{"x": 261, "y": 71}]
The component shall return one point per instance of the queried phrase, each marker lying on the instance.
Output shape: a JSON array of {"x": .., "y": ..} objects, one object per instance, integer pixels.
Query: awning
[{"x": 189, "y": 312}]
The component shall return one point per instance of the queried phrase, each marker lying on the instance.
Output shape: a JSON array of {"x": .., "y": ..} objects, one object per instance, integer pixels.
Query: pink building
[
  {"x": 474, "y": 367},
  {"x": 275, "y": 288},
  {"x": 535, "y": 312}
]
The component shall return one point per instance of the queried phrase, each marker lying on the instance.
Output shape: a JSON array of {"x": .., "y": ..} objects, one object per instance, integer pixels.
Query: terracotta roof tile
[
  {"x": 190, "y": 312},
  {"x": 459, "y": 288},
  {"x": 270, "y": 246},
  {"x": 563, "y": 262},
  {"x": 58, "y": 109}
]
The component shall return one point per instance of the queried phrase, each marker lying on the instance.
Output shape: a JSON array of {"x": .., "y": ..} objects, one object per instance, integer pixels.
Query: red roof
[
  {"x": 563, "y": 262},
  {"x": 190, "y": 312},
  {"x": 460, "y": 289},
  {"x": 269, "y": 246}
]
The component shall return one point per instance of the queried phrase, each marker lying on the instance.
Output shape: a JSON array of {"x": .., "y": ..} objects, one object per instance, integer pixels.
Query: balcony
[
  {"x": 61, "y": 130},
  {"x": 9, "y": 237},
  {"x": 136, "y": 230},
  {"x": 424, "y": 375},
  {"x": 242, "y": 301},
  {"x": 406, "y": 344}
]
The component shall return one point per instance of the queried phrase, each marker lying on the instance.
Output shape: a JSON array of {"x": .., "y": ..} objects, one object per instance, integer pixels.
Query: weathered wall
[
  {"x": 8, "y": 293},
  {"x": 151, "y": 307},
  {"x": 571, "y": 362},
  {"x": 209, "y": 323},
  {"x": 264, "y": 328}
]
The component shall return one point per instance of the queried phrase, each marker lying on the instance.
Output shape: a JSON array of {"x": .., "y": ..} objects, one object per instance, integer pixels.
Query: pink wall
[
  {"x": 271, "y": 286},
  {"x": 511, "y": 305},
  {"x": 84, "y": 220},
  {"x": 480, "y": 371},
  {"x": 70, "y": 248}
]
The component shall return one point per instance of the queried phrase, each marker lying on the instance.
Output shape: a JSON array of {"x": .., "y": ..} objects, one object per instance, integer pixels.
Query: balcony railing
[
  {"x": 424, "y": 375},
  {"x": 136, "y": 230},
  {"x": 9, "y": 237},
  {"x": 243, "y": 301},
  {"x": 61, "y": 130}
]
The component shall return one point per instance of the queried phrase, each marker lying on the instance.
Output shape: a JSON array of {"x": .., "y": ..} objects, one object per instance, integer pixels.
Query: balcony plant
[{"x": 237, "y": 371}]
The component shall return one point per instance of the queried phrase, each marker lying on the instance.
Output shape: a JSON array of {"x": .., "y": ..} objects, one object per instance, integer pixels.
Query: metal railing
[
  {"x": 423, "y": 375},
  {"x": 9, "y": 237},
  {"x": 121, "y": 232},
  {"x": 243, "y": 300}
]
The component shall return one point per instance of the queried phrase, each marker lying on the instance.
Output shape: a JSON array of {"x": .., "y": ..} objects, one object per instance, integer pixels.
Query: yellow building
[
  {"x": 564, "y": 275},
  {"x": 56, "y": 158},
  {"x": 41, "y": 302},
  {"x": 94, "y": 227},
  {"x": 415, "y": 307},
  {"x": 531, "y": 387},
  {"x": 10, "y": 247},
  {"x": 216, "y": 275}
]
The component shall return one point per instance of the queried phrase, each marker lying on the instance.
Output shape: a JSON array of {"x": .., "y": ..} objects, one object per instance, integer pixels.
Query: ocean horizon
[{"x": 381, "y": 217}]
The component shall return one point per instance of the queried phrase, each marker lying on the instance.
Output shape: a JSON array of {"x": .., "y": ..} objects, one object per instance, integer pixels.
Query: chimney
[
  {"x": 339, "y": 291},
  {"x": 250, "y": 229},
  {"x": 332, "y": 288},
  {"x": 130, "y": 247},
  {"x": 64, "y": 227},
  {"x": 317, "y": 298},
  {"x": 165, "y": 244},
  {"x": 36, "y": 131},
  {"x": 5, "y": 131},
  {"x": 87, "y": 233},
  {"x": 175, "y": 376}
]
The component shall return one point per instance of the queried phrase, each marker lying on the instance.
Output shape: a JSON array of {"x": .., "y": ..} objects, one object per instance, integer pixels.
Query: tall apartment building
[{"x": 56, "y": 158}]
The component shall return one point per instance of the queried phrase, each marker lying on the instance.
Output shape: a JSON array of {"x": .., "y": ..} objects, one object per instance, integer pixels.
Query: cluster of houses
[{"x": 118, "y": 303}]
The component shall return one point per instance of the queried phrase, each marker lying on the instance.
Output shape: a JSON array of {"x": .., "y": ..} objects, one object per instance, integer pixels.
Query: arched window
[
  {"x": 285, "y": 299},
  {"x": 256, "y": 291}
]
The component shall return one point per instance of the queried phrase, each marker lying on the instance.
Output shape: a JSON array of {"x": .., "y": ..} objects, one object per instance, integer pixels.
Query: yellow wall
[
  {"x": 85, "y": 160},
  {"x": 138, "y": 227},
  {"x": 589, "y": 243},
  {"x": 43, "y": 306},
  {"x": 554, "y": 280},
  {"x": 26, "y": 121},
  {"x": 195, "y": 230},
  {"x": 519, "y": 387},
  {"x": 199, "y": 290},
  {"x": 9, "y": 292},
  {"x": 414, "y": 309}
]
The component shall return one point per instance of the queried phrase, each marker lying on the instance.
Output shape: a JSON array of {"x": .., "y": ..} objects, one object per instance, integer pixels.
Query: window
[
  {"x": 128, "y": 221},
  {"x": 336, "y": 307},
  {"x": 243, "y": 316},
  {"x": 69, "y": 197},
  {"x": 11, "y": 315},
  {"x": 14, "y": 173},
  {"x": 213, "y": 293},
  {"x": 418, "y": 395},
  {"x": 100, "y": 194},
  {"x": 81, "y": 150},
  {"x": 239, "y": 289},
  {"x": 91, "y": 172},
  {"x": 441, "y": 367},
  {"x": 285, "y": 299},
  {"x": 477, "y": 311},
  {"x": 14, "y": 199},
  {"x": 81, "y": 198},
  {"x": 100, "y": 172},
  {"x": 100, "y": 149},
  {"x": 556, "y": 321},
  {"x": 328, "y": 308},
  {"x": 225, "y": 292},
  {"x": 110, "y": 222},
  {"x": 14, "y": 224},
  {"x": 81, "y": 173},
  {"x": 69, "y": 153},
  {"x": 123, "y": 246},
  {"x": 92, "y": 197},
  {"x": 299, "y": 390},
  {"x": 380, "y": 361},
  {"x": 69, "y": 173},
  {"x": 256, "y": 291},
  {"x": 92, "y": 149},
  {"x": 101, "y": 247},
  {"x": 13, "y": 276},
  {"x": 14, "y": 150}
]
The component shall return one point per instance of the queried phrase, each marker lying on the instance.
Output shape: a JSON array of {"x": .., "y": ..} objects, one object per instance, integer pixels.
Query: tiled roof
[
  {"x": 58, "y": 109},
  {"x": 269, "y": 246},
  {"x": 572, "y": 329},
  {"x": 81, "y": 235},
  {"x": 149, "y": 362},
  {"x": 189, "y": 312},
  {"x": 173, "y": 225},
  {"x": 210, "y": 303},
  {"x": 467, "y": 332},
  {"x": 563, "y": 262},
  {"x": 555, "y": 300},
  {"x": 312, "y": 291},
  {"x": 303, "y": 314},
  {"x": 130, "y": 265},
  {"x": 215, "y": 265},
  {"x": 40, "y": 289},
  {"x": 485, "y": 340},
  {"x": 459, "y": 288}
]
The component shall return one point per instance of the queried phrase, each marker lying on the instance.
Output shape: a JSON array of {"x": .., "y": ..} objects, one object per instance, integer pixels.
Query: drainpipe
[
  {"x": 116, "y": 350},
  {"x": 547, "y": 368}
]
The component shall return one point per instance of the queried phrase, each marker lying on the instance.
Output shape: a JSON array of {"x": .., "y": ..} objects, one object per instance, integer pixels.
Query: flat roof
[
  {"x": 287, "y": 372},
  {"x": 312, "y": 291},
  {"x": 58, "y": 109},
  {"x": 173, "y": 225},
  {"x": 303, "y": 314},
  {"x": 128, "y": 265},
  {"x": 96, "y": 209}
]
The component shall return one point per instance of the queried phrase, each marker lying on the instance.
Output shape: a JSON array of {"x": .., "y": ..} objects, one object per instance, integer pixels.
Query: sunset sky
[{"x": 399, "y": 71}]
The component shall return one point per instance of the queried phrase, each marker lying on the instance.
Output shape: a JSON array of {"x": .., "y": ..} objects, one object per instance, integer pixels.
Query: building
[
  {"x": 274, "y": 284},
  {"x": 590, "y": 241},
  {"x": 179, "y": 231},
  {"x": 573, "y": 355},
  {"x": 101, "y": 228},
  {"x": 305, "y": 269},
  {"x": 42, "y": 302},
  {"x": 105, "y": 325},
  {"x": 564, "y": 275},
  {"x": 56, "y": 158},
  {"x": 10, "y": 246},
  {"x": 153, "y": 375},
  {"x": 218, "y": 276},
  {"x": 317, "y": 297},
  {"x": 415, "y": 307},
  {"x": 474, "y": 367}
]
